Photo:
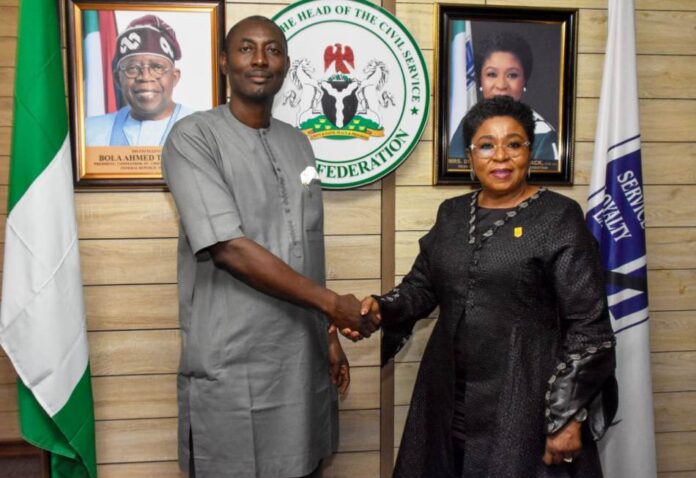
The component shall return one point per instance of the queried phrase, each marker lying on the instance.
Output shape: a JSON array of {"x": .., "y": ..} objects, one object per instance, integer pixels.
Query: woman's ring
[{"x": 568, "y": 460}]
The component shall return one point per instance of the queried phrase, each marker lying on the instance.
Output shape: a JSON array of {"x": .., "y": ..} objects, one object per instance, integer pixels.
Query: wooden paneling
[
  {"x": 128, "y": 261},
  {"x": 5, "y": 140},
  {"x": 6, "y": 111},
  {"x": 4, "y": 170},
  {"x": 418, "y": 168},
  {"x": 153, "y": 261},
  {"x": 351, "y": 212},
  {"x": 659, "y": 76},
  {"x": 341, "y": 465},
  {"x": 128, "y": 307},
  {"x": 672, "y": 290},
  {"x": 154, "y": 396},
  {"x": 673, "y": 371},
  {"x": 671, "y": 248},
  {"x": 139, "y": 352},
  {"x": 674, "y": 412},
  {"x": 8, "y": 45},
  {"x": 667, "y": 206},
  {"x": 657, "y": 32},
  {"x": 7, "y": 77},
  {"x": 352, "y": 257},
  {"x": 8, "y": 397},
  {"x": 675, "y": 451},
  {"x": 130, "y": 441},
  {"x": 681, "y": 158},
  {"x": 159, "y": 469},
  {"x": 134, "y": 352},
  {"x": 9, "y": 426},
  {"x": 672, "y": 331},
  {"x": 660, "y": 119},
  {"x": 352, "y": 465},
  {"x": 112, "y": 215},
  {"x": 8, "y": 25}
]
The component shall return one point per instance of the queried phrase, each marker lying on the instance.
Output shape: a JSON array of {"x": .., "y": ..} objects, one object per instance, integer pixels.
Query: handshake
[{"x": 354, "y": 319}]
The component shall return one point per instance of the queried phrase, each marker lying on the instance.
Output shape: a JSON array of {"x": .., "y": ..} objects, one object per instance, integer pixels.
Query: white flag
[
  {"x": 462, "y": 77},
  {"x": 616, "y": 217}
]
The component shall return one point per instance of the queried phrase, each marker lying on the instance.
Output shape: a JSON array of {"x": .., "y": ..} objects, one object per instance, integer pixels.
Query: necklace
[{"x": 500, "y": 222}]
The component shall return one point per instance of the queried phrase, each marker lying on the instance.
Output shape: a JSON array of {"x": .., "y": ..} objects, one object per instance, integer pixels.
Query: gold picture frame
[{"x": 118, "y": 122}]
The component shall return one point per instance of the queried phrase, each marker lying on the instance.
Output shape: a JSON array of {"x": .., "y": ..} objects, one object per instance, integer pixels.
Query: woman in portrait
[
  {"x": 517, "y": 377},
  {"x": 503, "y": 65}
]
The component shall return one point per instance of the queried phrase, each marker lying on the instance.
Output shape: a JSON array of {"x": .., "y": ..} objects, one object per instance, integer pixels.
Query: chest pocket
[{"x": 313, "y": 208}]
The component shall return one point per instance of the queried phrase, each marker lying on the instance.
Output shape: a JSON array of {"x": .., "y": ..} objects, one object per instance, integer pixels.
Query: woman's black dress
[{"x": 523, "y": 312}]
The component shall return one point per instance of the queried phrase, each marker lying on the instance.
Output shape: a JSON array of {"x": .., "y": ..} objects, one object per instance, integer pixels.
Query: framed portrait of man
[
  {"x": 528, "y": 54},
  {"x": 135, "y": 69}
]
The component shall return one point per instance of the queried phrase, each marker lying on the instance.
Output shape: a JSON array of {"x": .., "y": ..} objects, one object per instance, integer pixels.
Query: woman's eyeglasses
[{"x": 486, "y": 150}]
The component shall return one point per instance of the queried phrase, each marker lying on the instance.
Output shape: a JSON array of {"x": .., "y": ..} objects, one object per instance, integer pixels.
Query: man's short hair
[{"x": 254, "y": 18}]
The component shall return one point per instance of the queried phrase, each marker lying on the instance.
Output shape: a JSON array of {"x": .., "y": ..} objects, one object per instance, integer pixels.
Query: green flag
[{"x": 42, "y": 324}]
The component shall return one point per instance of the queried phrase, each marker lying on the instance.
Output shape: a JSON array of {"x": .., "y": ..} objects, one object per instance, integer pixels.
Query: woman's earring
[
  {"x": 481, "y": 88},
  {"x": 472, "y": 174},
  {"x": 524, "y": 89},
  {"x": 529, "y": 172}
]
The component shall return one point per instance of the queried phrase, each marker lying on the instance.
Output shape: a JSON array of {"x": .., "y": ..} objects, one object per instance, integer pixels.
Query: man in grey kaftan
[
  {"x": 255, "y": 395},
  {"x": 252, "y": 365}
]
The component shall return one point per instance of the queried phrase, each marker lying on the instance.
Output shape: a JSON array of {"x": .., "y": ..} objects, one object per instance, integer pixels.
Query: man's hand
[
  {"x": 339, "y": 368},
  {"x": 345, "y": 315},
  {"x": 565, "y": 444}
]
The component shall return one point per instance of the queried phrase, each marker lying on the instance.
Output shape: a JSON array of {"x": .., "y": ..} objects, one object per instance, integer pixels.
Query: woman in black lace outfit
[{"x": 517, "y": 378}]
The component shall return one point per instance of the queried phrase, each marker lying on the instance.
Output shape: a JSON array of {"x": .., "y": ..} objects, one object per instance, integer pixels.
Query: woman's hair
[
  {"x": 505, "y": 42},
  {"x": 498, "y": 106}
]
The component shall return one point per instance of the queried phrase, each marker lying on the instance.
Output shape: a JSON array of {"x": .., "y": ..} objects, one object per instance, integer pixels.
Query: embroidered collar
[{"x": 500, "y": 222}]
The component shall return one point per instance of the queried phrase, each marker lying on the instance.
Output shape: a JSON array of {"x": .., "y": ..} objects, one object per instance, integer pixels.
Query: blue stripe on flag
[{"x": 618, "y": 221}]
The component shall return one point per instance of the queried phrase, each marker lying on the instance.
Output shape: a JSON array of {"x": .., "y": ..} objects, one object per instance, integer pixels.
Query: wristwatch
[{"x": 581, "y": 415}]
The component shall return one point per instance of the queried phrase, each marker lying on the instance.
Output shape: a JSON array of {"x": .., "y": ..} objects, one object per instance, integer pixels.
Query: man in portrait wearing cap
[{"x": 146, "y": 75}]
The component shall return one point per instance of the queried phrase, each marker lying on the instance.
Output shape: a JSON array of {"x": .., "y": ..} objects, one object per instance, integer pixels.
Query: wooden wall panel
[
  {"x": 674, "y": 412},
  {"x": 9, "y": 15},
  {"x": 660, "y": 119},
  {"x": 118, "y": 215},
  {"x": 659, "y": 76},
  {"x": 672, "y": 330},
  {"x": 675, "y": 451},
  {"x": 7, "y": 76},
  {"x": 8, "y": 45},
  {"x": 160, "y": 469},
  {"x": 153, "y": 261},
  {"x": 138, "y": 352},
  {"x": 341, "y": 465},
  {"x": 128, "y": 307},
  {"x": 131, "y": 441},
  {"x": 9, "y": 426},
  {"x": 6, "y": 105},
  {"x": 126, "y": 397},
  {"x": 5, "y": 133}
]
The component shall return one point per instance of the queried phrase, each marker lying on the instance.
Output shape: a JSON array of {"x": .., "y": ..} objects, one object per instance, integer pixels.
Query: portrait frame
[
  {"x": 472, "y": 33},
  {"x": 102, "y": 158}
]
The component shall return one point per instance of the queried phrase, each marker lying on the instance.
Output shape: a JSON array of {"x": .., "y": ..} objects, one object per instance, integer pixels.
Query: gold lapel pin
[{"x": 518, "y": 232}]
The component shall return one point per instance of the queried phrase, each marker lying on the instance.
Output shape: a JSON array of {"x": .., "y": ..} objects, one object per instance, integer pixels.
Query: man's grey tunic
[{"x": 253, "y": 384}]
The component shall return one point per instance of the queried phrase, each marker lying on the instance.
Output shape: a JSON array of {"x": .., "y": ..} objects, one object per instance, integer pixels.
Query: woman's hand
[
  {"x": 564, "y": 445},
  {"x": 339, "y": 368}
]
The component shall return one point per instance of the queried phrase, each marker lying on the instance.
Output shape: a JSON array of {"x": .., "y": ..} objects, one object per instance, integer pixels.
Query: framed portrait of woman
[
  {"x": 526, "y": 53},
  {"x": 135, "y": 68}
]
